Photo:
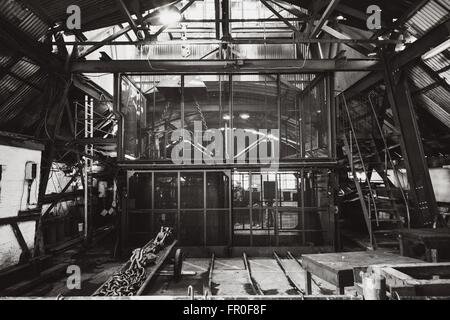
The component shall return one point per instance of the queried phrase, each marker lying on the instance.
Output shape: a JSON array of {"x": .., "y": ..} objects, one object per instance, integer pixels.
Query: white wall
[{"x": 13, "y": 198}]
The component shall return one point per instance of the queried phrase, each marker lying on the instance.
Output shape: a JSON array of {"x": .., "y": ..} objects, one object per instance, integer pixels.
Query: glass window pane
[
  {"x": 191, "y": 231},
  {"x": 133, "y": 106},
  {"x": 140, "y": 191},
  {"x": 217, "y": 227},
  {"x": 217, "y": 190},
  {"x": 241, "y": 195},
  {"x": 166, "y": 190},
  {"x": 191, "y": 188},
  {"x": 241, "y": 227}
]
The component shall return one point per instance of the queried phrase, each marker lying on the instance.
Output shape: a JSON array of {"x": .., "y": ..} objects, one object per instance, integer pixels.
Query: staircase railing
[
  {"x": 389, "y": 157},
  {"x": 371, "y": 194}
]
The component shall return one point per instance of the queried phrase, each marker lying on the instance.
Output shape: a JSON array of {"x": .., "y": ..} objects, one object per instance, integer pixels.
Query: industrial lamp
[{"x": 169, "y": 16}]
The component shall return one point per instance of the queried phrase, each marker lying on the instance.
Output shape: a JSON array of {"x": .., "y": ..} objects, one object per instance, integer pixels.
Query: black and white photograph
[{"x": 214, "y": 157}]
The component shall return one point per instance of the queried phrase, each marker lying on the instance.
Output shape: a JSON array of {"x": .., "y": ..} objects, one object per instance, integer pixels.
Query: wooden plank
[{"x": 337, "y": 268}]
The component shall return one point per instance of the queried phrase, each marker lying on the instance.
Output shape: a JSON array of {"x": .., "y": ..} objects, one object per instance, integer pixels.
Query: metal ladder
[{"x": 89, "y": 154}]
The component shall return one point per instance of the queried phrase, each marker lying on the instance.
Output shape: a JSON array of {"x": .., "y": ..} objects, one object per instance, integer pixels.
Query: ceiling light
[
  {"x": 169, "y": 16},
  {"x": 435, "y": 51},
  {"x": 226, "y": 117},
  {"x": 244, "y": 116}
]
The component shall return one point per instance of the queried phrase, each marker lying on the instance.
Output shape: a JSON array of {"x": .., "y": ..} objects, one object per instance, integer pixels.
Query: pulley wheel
[{"x": 178, "y": 264}]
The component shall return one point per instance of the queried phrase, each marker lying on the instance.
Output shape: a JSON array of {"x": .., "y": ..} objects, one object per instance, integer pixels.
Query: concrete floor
[{"x": 229, "y": 277}]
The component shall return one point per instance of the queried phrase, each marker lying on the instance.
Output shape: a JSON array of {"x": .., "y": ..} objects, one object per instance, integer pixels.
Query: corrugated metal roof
[
  {"x": 34, "y": 17},
  {"x": 419, "y": 77},
  {"x": 23, "y": 18},
  {"x": 430, "y": 15},
  {"x": 435, "y": 109},
  {"x": 95, "y": 13},
  {"x": 436, "y": 100}
]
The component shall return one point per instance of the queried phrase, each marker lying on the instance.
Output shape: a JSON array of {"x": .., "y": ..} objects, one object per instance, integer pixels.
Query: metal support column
[{"x": 412, "y": 148}]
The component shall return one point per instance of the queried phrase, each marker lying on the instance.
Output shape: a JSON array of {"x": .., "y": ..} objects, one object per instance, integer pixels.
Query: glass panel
[
  {"x": 166, "y": 190},
  {"x": 140, "y": 191},
  {"x": 241, "y": 227},
  {"x": 133, "y": 106},
  {"x": 255, "y": 118},
  {"x": 206, "y": 106},
  {"x": 269, "y": 189},
  {"x": 217, "y": 190},
  {"x": 191, "y": 188},
  {"x": 191, "y": 228},
  {"x": 217, "y": 227},
  {"x": 290, "y": 226},
  {"x": 263, "y": 230},
  {"x": 164, "y": 219},
  {"x": 163, "y": 112},
  {"x": 318, "y": 216},
  {"x": 291, "y": 88},
  {"x": 241, "y": 194},
  {"x": 139, "y": 227},
  {"x": 139, "y": 222},
  {"x": 315, "y": 119}
]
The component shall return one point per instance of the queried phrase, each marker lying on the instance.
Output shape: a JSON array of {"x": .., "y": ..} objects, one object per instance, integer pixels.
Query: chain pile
[{"x": 128, "y": 281}]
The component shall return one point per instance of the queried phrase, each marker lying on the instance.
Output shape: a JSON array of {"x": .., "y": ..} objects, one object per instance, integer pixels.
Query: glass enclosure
[
  {"x": 228, "y": 119},
  {"x": 238, "y": 208}
]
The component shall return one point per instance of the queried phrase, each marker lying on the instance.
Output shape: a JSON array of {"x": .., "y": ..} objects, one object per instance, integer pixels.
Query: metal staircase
[{"x": 384, "y": 203}]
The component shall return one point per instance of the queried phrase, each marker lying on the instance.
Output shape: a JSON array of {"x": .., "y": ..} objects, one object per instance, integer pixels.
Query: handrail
[
  {"x": 361, "y": 158},
  {"x": 390, "y": 158}
]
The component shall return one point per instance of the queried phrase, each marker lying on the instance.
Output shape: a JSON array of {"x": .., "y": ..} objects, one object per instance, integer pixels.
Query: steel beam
[
  {"x": 239, "y": 66},
  {"x": 279, "y": 16},
  {"x": 413, "y": 51},
  {"x": 328, "y": 11},
  {"x": 123, "y": 8},
  {"x": 340, "y": 35},
  {"x": 108, "y": 40},
  {"x": 217, "y": 16},
  {"x": 12, "y": 37},
  {"x": 412, "y": 147},
  {"x": 240, "y": 40}
]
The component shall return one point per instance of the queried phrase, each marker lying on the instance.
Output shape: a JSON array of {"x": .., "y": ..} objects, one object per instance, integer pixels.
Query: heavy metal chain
[{"x": 127, "y": 282}]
